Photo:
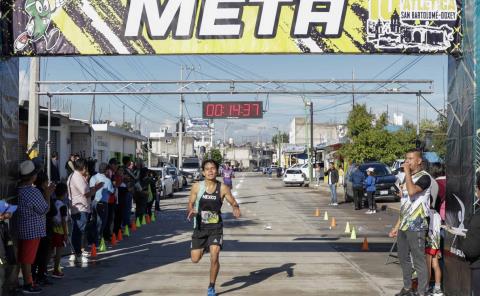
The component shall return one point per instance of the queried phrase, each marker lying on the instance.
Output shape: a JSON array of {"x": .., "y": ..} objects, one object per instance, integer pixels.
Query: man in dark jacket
[
  {"x": 470, "y": 245},
  {"x": 357, "y": 178},
  {"x": 332, "y": 178}
]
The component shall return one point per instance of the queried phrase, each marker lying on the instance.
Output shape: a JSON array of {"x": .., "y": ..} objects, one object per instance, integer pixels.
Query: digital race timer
[{"x": 212, "y": 110}]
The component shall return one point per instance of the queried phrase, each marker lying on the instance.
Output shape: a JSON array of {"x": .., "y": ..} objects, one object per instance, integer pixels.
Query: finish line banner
[{"x": 144, "y": 27}]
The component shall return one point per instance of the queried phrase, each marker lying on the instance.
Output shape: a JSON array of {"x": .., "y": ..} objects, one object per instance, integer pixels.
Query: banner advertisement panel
[{"x": 145, "y": 27}]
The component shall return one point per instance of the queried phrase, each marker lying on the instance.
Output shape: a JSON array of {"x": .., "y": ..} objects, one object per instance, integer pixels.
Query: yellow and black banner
[{"x": 144, "y": 27}]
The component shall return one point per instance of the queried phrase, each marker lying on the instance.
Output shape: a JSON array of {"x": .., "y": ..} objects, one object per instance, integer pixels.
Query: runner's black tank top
[{"x": 209, "y": 210}]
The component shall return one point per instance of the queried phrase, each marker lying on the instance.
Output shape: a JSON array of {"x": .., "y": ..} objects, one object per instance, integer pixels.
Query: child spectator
[
  {"x": 60, "y": 230},
  {"x": 30, "y": 221}
]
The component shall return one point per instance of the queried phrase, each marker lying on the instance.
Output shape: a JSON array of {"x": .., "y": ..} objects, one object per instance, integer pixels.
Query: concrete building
[
  {"x": 248, "y": 157},
  {"x": 111, "y": 141},
  {"x": 165, "y": 147},
  {"x": 322, "y": 132},
  {"x": 67, "y": 135}
]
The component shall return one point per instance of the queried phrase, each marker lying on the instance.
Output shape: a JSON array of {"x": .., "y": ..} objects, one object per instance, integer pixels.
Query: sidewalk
[{"x": 389, "y": 206}]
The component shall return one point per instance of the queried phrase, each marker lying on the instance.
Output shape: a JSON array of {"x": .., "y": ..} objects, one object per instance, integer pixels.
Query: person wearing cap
[
  {"x": 6, "y": 258},
  {"x": 80, "y": 195},
  {"x": 31, "y": 221},
  {"x": 370, "y": 188}
]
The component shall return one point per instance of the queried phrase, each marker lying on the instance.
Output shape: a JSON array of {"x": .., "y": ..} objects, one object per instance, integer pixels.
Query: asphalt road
[{"x": 278, "y": 247}]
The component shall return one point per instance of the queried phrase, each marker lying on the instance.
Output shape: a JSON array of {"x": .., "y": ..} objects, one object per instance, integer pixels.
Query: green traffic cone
[
  {"x": 153, "y": 217},
  {"x": 103, "y": 246},
  {"x": 137, "y": 223},
  {"x": 143, "y": 220},
  {"x": 126, "y": 232}
]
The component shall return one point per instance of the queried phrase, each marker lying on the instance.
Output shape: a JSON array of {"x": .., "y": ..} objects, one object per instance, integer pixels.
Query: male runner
[
  {"x": 228, "y": 174},
  {"x": 204, "y": 206}
]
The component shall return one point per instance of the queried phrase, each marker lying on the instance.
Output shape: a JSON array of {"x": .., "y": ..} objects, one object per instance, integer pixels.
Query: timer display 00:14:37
[{"x": 232, "y": 110}]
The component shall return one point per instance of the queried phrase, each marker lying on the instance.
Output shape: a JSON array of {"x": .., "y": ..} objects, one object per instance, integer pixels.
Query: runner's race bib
[{"x": 209, "y": 217}]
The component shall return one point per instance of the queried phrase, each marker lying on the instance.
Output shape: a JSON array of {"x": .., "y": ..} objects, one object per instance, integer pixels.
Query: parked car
[
  {"x": 304, "y": 168},
  {"x": 164, "y": 182},
  {"x": 192, "y": 165},
  {"x": 179, "y": 180},
  {"x": 397, "y": 164},
  {"x": 294, "y": 177},
  {"x": 384, "y": 181}
]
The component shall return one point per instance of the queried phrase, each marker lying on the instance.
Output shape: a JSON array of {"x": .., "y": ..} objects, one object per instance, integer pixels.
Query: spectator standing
[
  {"x": 130, "y": 181},
  {"x": 80, "y": 195},
  {"x": 332, "y": 175},
  {"x": 370, "y": 188},
  {"x": 60, "y": 229},
  {"x": 31, "y": 222},
  {"x": 7, "y": 254},
  {"x": 69, "y": 166},
  {"x": 412, "y": 225},
  {"x": 141, "y": 194},
  {"x": 100, "y": 202},
  {"x": 470, "y": 244},
  {"x": 318, "y": 174},
  {"x": 112, "y": 199},
  {"x": 39, "y": 268},
  {"x": 122, "y": 191},
  {"x": 54, "y": 168},
  {"x": 357, "y": 178},
  {"x": 341, "y": 175}
]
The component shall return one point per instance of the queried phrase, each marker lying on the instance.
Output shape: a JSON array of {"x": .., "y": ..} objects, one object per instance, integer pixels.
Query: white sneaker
[
  {"x": 81, "y": 259},
  {"x": 72, "y": 258},
  {"x": 368, "y": 212},
  {"x": 335, "y": 204},
  {"x": 374, "y": 211}
]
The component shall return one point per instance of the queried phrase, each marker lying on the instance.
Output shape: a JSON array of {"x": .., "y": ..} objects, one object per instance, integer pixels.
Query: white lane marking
[
  {"x": 238, "y": 186},
  {"x": 102, "y": 27}
]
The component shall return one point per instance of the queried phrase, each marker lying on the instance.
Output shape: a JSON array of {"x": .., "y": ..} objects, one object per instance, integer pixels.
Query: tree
[
  {"x": 216, "y": 155},
  {"x": 284, "y": 138},
  {"x": 369, "y": 140}
]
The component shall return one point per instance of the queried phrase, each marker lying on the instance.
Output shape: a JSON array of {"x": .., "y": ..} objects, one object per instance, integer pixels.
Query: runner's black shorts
[{"x": 204, "y": 238}]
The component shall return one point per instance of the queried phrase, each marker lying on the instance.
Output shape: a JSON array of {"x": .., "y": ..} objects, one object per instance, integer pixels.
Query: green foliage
[
  {"x": 216, "y": 155},
  {"x": 371, "y": 141},
  {"x": 284, "y": 138},
  {"x": 359, "y": 120},
  {"x": 438, "y": 133}
]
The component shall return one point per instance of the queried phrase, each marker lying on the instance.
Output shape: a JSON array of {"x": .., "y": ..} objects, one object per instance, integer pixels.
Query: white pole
[
  {"x": 180, "y": 128},
  {"x": 33, "y": 104},
  {"x": 49, "y": 146}
]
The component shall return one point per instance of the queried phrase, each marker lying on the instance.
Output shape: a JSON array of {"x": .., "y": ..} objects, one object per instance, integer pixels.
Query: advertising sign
[{"x": 140, "y": 27}]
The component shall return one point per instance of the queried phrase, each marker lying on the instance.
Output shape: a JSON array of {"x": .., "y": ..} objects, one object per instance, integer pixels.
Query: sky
[{"x": 154, "y": 112}]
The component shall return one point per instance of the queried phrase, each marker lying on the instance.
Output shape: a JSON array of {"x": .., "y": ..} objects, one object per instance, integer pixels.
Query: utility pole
[
  {"x": 312, "y": 152},
  {"x": 353, "y": 89},
  {"x": 418, "y": 115},
  {"x": 180, "y": 125},
  {"x": 33, "y": 103}
]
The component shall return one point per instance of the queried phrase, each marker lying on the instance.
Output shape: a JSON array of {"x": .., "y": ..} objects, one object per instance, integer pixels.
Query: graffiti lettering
[{"x": 223, "y": 18}]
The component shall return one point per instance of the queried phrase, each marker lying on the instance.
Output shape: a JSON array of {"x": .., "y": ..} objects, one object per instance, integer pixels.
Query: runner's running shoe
[
  {"x": 211, "y": 292},
  {"x": 31, "y": 289}
]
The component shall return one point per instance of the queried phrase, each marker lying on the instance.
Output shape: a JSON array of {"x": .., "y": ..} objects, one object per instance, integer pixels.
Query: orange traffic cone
[
  {"x": 365, "y": 245},
  {"x": 148, "y": 219},
  {"x": 317, "y": 212},
  {"x": 134, "y": 227},
  {"x": 114, "y": 240},
  {"x": 333, "y": 224},
  {"x": 93, "y": 252},
  {"x": 119, "y": 236}
]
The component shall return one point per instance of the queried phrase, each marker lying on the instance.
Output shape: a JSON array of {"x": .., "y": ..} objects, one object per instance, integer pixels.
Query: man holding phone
[{"x": 412, "y": 225}]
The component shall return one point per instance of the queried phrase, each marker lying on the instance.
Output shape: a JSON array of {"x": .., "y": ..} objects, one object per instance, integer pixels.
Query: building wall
[
  {"x": 161, "y": 147},
  {"x": 241, "y": 155},
  {"x": 321, "y": 132},
  {"x": 81, "y": 143}
]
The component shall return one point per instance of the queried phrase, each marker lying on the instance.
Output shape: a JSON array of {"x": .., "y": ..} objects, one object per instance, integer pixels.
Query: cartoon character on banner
[
  {"x": 457, "y": 231},
  {"x": 39, "y": 19}
]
